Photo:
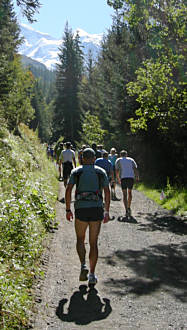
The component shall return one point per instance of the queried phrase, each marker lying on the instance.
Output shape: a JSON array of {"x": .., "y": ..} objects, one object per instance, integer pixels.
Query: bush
[{"x": 27, "y": 198}]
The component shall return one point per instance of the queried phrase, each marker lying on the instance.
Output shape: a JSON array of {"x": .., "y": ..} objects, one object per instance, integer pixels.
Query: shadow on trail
[
  {"x": 159, "y": 266},
  {"x": 84, "y": 310},
  {"x": 164, "y": 223},
  {"x": 126, "y": 219}
]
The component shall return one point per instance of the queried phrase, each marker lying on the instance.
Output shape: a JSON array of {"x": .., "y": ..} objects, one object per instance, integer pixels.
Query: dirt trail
[{"x": 142, "y": 272}]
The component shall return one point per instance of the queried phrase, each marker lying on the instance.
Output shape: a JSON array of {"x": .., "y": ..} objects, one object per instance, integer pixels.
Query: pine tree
[
  {"x": 69, "y": 74},
  {"x": 17, "y": 106},
  {"x": 9, "y": 41},
  {"x": 43, "y": 116},
  {"x": 9, "y": 30},
  {"x": 29, "y": 7}
]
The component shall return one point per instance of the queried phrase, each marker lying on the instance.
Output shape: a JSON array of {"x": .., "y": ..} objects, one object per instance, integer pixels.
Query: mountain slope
[
  {"x": 28, "y": 61},
  {"x": 44, "y": 48}
]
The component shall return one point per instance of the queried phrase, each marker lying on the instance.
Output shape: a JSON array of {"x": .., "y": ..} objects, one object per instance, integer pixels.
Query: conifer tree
[
  {"x": 43, "y": 115},
  {"x": 29, "y": 7},
  {"x": 9, "y": 30},
  {"x": 17, "y": 106},
  {"x": 9, "y": 41},
  {"x": 15, "y": 84},
  {"x": 69, "y": 74},
  {"x": 88, "y": 92}
]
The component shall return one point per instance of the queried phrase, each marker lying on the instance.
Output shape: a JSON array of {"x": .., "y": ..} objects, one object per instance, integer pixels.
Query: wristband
[
  {"x": 106, "y": 213},
  {"x": 68, "y": 211}
]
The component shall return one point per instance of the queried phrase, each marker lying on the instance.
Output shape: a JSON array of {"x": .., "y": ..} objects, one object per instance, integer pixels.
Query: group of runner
[{"x": 97, "y": 172}]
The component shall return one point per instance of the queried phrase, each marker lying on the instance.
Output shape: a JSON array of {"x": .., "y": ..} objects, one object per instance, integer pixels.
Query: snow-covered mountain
[{"x": 44, "y": 48}]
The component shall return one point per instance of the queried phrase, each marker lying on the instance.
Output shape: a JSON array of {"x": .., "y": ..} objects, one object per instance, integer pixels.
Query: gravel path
[{"x": 142, "y": 272}]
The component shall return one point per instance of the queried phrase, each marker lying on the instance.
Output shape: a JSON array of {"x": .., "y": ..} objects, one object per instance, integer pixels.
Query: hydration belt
[{"x": 88, "y": 196}]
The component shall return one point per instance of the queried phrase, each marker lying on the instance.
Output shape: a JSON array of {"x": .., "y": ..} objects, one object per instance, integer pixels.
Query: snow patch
[{"x": 44, "y": 48}]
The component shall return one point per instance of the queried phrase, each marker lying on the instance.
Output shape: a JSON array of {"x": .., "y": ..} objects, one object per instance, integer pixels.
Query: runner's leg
[
  {"x": 114, "y": 189},
  {"x": 80, "y": 229},
  {"x": 129, "y": 198},
  {"x": 125, "y": 198},
  {"x": 67, "y": 171},
  {"x": 59, "y": 170},
  {"x": 94, "y": 229},
  {"x": 65, "y": 176}
]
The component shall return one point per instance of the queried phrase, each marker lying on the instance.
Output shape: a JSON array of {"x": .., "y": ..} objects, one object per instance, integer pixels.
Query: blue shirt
[
  {"x": 105, "y": 164},
  {"x": 112, "y": 158}
]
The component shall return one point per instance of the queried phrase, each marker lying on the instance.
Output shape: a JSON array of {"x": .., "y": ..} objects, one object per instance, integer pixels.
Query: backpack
[{"x": 88, "y": 195}]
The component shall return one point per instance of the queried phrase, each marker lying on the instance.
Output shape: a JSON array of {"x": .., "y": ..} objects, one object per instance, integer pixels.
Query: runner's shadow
[
  {"x": 84, "y": 310},
  {"x": 125, "y": 219},
  {"x": 62, "y": 200}
]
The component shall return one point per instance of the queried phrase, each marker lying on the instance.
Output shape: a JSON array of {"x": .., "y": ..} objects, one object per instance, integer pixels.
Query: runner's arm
[
  {"x": 68, "y": 196},
  {"x": 107, "y": 204},
  {"x": 107, "y": 198},
  {"x": 136, "y": 173},
  {"x": 117, "y": 175},
  {"x": 74, "y": 161},
  {"x": 79, "y": 157},
  {"x": 117, "y": 168},
  {"x": 73, "y": 158},
  {"x": 60, "y": 158},
  {"x": 112, "y": 174}
]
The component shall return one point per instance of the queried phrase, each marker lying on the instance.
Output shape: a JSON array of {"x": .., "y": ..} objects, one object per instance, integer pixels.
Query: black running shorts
[
  {"x": 90, "y": 214},
  {"x": 67, "y": 167},
  {"x": 127, "y": 183}
]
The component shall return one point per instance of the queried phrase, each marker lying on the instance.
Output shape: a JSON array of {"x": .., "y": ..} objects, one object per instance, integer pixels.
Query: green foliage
[
  {"x": 142, "y": 76},
  {"x": 27, "y": 197},
  {"x": 17, "y": 106},
  {"x": 175, "y": 197},
  {"x": 15, "y": 85},
  {"x": 9, "y": 30},
  {"x": 91, "y": 130},
  {"x": 159, "y": 97},
  {"x": 9, "y": 41},
  {"x": 43, "y": 116}
]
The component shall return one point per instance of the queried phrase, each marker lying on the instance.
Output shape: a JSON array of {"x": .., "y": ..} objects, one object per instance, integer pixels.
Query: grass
[
  {"x": 28, "y": 193},
  {"x": 175, "y": 199}
]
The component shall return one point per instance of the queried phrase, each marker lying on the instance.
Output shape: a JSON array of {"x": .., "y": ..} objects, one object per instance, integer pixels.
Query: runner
[
  {"x": 97, "y": 152},
  {"x": 113, "y": 157},
  {"x": 89, "y": 212},
  {"x": 106, "y": 165},
  {"x": 100, "y": 149},
  {"x": 126, "y": 170},
  {"x": 58, "y": 150},
  {"x": 67, "y": 159},
  {"x": 80, "y": 152},
  {"x": 52, "y": 152}
]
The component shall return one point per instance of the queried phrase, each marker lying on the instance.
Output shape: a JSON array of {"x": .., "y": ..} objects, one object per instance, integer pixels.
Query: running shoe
[
  {"x": 92, "y": 279},
  {"x": 129, "y": 212},
  {"x": 116, "y": 199},
  {"x": 84, "y": 273}
]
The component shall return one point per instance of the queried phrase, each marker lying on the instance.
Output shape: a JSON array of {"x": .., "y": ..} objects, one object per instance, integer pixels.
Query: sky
[{"x": 92, "y": 16}]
